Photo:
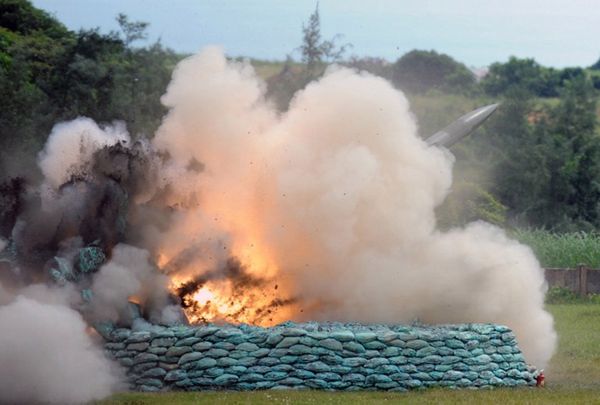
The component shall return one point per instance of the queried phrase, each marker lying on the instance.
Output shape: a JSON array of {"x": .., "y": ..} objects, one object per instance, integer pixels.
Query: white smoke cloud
[
  {"x": 339, "y": 193},
  {"x": 46, "y": 356},
  {"x": 70, "y": 146},
  {"x": 361, "y": 192}
]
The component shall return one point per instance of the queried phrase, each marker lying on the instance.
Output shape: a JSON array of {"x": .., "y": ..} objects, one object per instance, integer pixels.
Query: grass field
[{"x": 573, "y": 377}]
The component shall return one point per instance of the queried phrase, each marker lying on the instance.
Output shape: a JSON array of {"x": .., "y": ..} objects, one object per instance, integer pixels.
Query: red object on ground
[{"x": 539, "y": 380}]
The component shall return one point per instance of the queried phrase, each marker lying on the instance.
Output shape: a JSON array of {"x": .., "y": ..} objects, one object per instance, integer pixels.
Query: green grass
[
  {"x": 576, "y": 364},
  {"x": 438, "y": 396},
  {"x": 562, "y": 250},
  {"x": 573, "y": 377}
]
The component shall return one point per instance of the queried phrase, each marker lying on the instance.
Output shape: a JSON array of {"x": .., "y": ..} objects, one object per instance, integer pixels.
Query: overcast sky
[{"x": 477, "y": 32}]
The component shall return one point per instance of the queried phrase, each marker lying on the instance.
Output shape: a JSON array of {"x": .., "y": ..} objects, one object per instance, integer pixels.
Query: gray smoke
[
  {"x": 47, "y": 355},
  {"x": 131, "y": 274}
]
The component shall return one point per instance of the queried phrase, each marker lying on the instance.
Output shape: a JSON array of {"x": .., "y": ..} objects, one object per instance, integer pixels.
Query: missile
[{"x": 461, "y": 127}]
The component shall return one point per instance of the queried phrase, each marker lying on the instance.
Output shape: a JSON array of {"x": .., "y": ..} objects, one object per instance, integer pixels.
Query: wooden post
[{"x": 582, "y": 270}]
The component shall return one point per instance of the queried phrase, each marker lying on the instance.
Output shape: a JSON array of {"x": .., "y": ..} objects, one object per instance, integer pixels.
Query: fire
[
  {"x": 240, "y": 291},
  {"x": 203, "y": 296},
  {"x": 220, "y": 302},
  {"x": 218, "y": 253}
]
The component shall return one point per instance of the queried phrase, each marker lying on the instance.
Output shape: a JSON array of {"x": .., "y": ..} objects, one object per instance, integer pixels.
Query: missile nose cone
[
  {"x": 461, "y": 127},
  {"x": 479, "y": 115}
]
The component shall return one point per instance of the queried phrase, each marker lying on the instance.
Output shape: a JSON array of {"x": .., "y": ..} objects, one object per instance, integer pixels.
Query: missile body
[{"x": 461, "y": 127}]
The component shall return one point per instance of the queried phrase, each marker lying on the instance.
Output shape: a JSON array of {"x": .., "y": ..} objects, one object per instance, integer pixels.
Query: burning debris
[
  {"x": 202, "y": 305},
  {"x": 232, "y": 213}
]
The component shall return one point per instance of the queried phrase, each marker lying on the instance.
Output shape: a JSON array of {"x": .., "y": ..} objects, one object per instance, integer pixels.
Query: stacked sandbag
[{"x": 330, "y": 356}]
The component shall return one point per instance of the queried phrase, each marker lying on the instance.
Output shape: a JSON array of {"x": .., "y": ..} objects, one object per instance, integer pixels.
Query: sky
[{"x": 555, "y": 33}]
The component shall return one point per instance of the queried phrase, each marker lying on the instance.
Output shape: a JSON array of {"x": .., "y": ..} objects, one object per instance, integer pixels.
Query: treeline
[
  {"x": 49, "y": 74},
  {"x": 535, "y": 163}
]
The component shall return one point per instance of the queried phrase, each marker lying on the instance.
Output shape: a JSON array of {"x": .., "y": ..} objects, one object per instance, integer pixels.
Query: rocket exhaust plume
[{"x": 235, "y": 213}]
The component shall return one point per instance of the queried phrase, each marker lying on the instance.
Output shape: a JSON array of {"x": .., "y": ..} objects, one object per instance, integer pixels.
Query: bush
[
  {"x": 561, "y": 295},
  {"x": 422, "y": 71}
]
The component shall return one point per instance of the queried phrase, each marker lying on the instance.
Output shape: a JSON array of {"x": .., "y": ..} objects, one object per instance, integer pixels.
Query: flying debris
[{"x": 461, "y": 127}]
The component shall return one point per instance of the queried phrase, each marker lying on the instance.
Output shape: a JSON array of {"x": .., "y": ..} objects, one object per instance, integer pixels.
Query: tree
[
  {"x": 131, "y": 30},
  {"x": 50, "y": 74},
  {"x": 315, "y": 54},
  {"x": 596, "y": 66},
  {"x": 519, "y": 168},
  {"x": 21, "y": 17},
  {"x": 547, "y": 161},
  {"x": 516, "y": 73},
  {"x": 86, "y": 83},
  {"x": 569, "y": 74},
  {"x": 32, "y": 43},
  {"x": 528, "y": 75},
  {"x": 421, "y": 71},
  {"x": 574, "y": 131},
  {"x": 315, "y": 51}
]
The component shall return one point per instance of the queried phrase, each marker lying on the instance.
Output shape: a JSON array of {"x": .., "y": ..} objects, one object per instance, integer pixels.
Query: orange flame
[{"x": 261, "y": 301}]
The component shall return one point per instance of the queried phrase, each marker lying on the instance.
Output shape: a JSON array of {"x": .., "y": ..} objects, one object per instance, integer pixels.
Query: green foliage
[
  {"x": 31, "y": 44},
  {"x": 544, "y": 160},
  {"x": 561, "y": 295},
  {"x": 516, "y": 161},
  {"x": 524, "y": 74},
  {"x": 50, "y": 74},
  {"x": 596, "y": 81},
  {"x": 596, "y": 66},
  {"x": 562, "y": 250},
  {"x": 21, "y": 17},
  {"x": 468, "y": 202},
  {"x": 528, "y": 75},
  {"x": 132, "y": 30},
  {"x": 375, "y": 66},
  {"x": 572, "y": 154},
  {"x": 422, "y": 71}
]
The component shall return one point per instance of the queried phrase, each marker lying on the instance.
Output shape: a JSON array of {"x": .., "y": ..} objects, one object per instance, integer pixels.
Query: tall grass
[{"x": 562, "y": 249}]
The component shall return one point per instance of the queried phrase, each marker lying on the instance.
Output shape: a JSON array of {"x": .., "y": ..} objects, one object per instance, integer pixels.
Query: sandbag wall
[{"x": 329, "y": 356}]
